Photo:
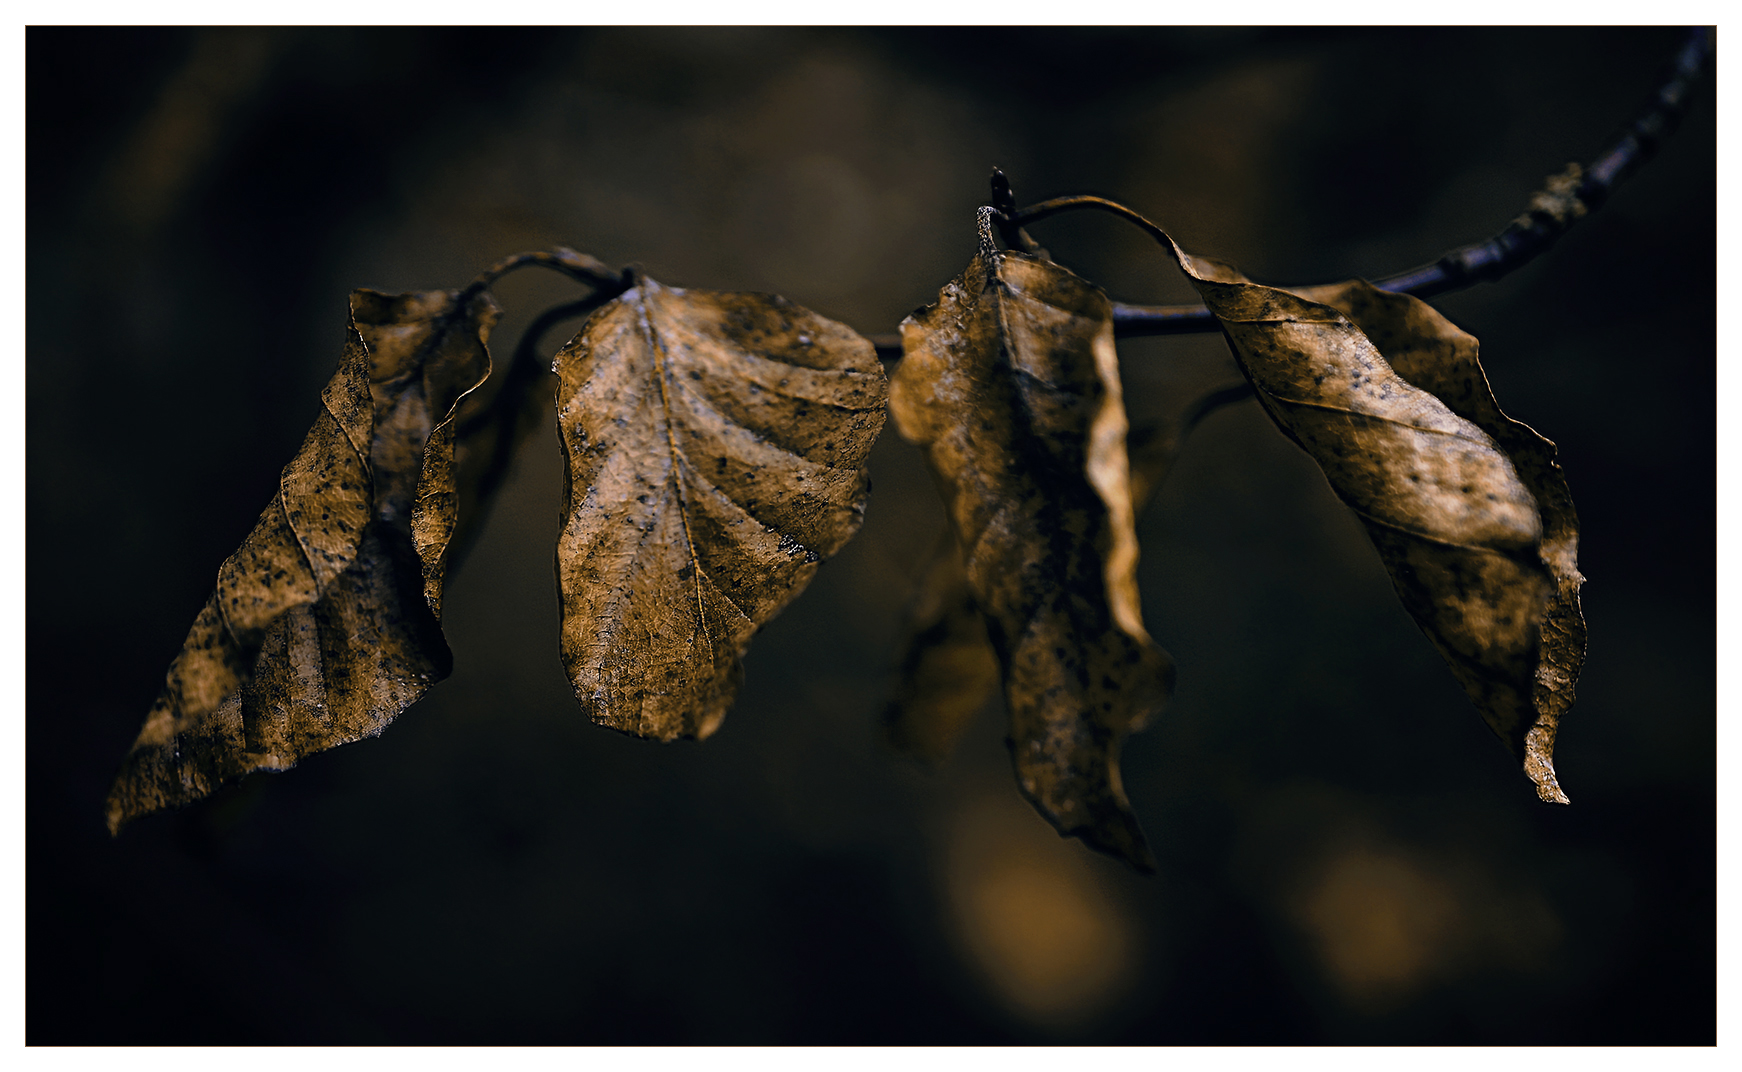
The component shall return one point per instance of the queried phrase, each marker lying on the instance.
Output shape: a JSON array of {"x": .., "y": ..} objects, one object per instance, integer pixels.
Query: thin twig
[
  {"x": 577, "y": 266},
  {"x": 1568, "y": 196}
]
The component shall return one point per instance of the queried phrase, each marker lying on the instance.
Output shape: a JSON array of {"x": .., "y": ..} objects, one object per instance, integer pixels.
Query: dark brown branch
[
  {"x": 577, "y": 266},
  {"x": 1566, "y": 197},
  {"x": 1004, "y": 200}
]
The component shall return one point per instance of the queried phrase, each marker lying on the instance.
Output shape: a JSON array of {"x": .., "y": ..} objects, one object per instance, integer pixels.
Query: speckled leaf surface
[
  {"x": 325, "y": 623},
  {"x": 715, "y": 447},
  {"x": 1010, "y": 384},
  {"x": 1468, "y": 509},
  {"x": 946, "y": 669}
]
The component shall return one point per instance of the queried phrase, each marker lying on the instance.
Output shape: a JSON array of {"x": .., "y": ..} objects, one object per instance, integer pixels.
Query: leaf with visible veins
[
  {"x": 715, "y": 448},
  {"x": 947, "y": 669},
  {"x": 1011, "y": 386},
  {"x": 326, "y": 623},
  {"x": 1467, "y": 507}
]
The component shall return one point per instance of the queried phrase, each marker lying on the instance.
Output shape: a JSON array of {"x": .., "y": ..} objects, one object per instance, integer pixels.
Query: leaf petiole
[{"x": 577, "y": 266}]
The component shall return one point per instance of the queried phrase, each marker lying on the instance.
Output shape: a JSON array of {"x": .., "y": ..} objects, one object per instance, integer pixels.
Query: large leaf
[
  {"x": 1468, "y": 509},
  {"x": 716, "y": 447},
  {"x": 1011, "y": 385},
  {"x": 325, "y": 623}
]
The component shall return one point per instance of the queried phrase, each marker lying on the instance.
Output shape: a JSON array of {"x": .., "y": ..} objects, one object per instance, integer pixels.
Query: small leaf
[
  {"x": 325, "y": 623},
  {"x": 1011, "y": 385},
  {"x": 1468, "y": 509},
  {"x": 715, "y": 447},
  {"x": 947, "y": 668}
]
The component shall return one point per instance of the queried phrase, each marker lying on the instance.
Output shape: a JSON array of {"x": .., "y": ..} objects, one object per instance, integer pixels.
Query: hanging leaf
[
  {"x": 1468, "y": 509},
  {"x": 1011, "y": 385},
  {"x": 325, "y": 623},
  {"x": 716, "y": 447},
  {"x": 947, "y": 669}
]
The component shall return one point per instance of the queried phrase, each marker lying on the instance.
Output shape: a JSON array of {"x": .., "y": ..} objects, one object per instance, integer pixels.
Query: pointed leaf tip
[
  {"x": 1011, "y": 386},
  {"x": 1468, "y": 508},
  {"x": 325, "y": 623},
  {"x": 1539, "y": 764}
]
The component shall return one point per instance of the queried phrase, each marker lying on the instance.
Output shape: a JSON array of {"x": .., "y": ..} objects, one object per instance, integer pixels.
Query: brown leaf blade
[
  {"x": 1430, "y": 352},
  {"x": 1468, "y": 509},
  {"x": 715, "y": 447},
  {"x": 946, "y": 668},
  {"x": 1011, "y": 386},
  {"x": 325, "y": 623}
]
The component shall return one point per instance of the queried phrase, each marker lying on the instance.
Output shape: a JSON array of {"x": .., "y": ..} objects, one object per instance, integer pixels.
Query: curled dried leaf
[
  {"x": 1468, "y": 509},
  {"x": 715, "y": 448},
  {"x": 947, "y": 669},
  {"x": 325, "y": 623},
  {"x": 1011, "y": 386}
]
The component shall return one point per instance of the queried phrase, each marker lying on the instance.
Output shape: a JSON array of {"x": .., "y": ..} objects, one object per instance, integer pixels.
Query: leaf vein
[
  {"x": 1303, "y": 403},
  {"x": 1407, "y": 531},
  {"x": 660, "y": 364},
  {"x": 728, "y": 422}
]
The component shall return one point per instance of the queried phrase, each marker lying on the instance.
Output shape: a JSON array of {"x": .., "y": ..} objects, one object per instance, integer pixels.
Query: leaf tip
[
  {"x": 1539, "y": 764},
  {"x": 113, "y": 817},
  {"x": 1109, "y": 825},
  {"x": 709, "y": 722},
  {"x": 1548, "y": 790},
  {"x": 1119, "y": 836},
  {"x": 1142, "y": 861}
]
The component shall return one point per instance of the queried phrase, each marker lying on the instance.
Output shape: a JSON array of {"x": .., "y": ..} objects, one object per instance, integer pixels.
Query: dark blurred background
[{"x": 1347, "y": 854}]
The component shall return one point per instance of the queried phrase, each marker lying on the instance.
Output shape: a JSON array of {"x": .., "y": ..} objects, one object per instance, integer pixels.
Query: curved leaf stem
[
  {"x": 1566, "y": 197},
  {"x": 1210, "y": 403},
  {"x": 505, "y": 418},
  {"x": 577, "y": 266}
]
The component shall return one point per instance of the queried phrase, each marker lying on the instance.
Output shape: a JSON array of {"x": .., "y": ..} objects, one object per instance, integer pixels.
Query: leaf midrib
[{"x": 656, "y": 347}]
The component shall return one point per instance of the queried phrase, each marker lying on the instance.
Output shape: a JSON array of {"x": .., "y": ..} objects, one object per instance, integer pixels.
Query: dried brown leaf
[
  {"x": 325, "y": 623},
  {"x": 1468, "y": 509},
  {"x": 715, "y": 447},
  {"x": 1011, "y": 385},
  {"x": 947, "y": 669}
]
